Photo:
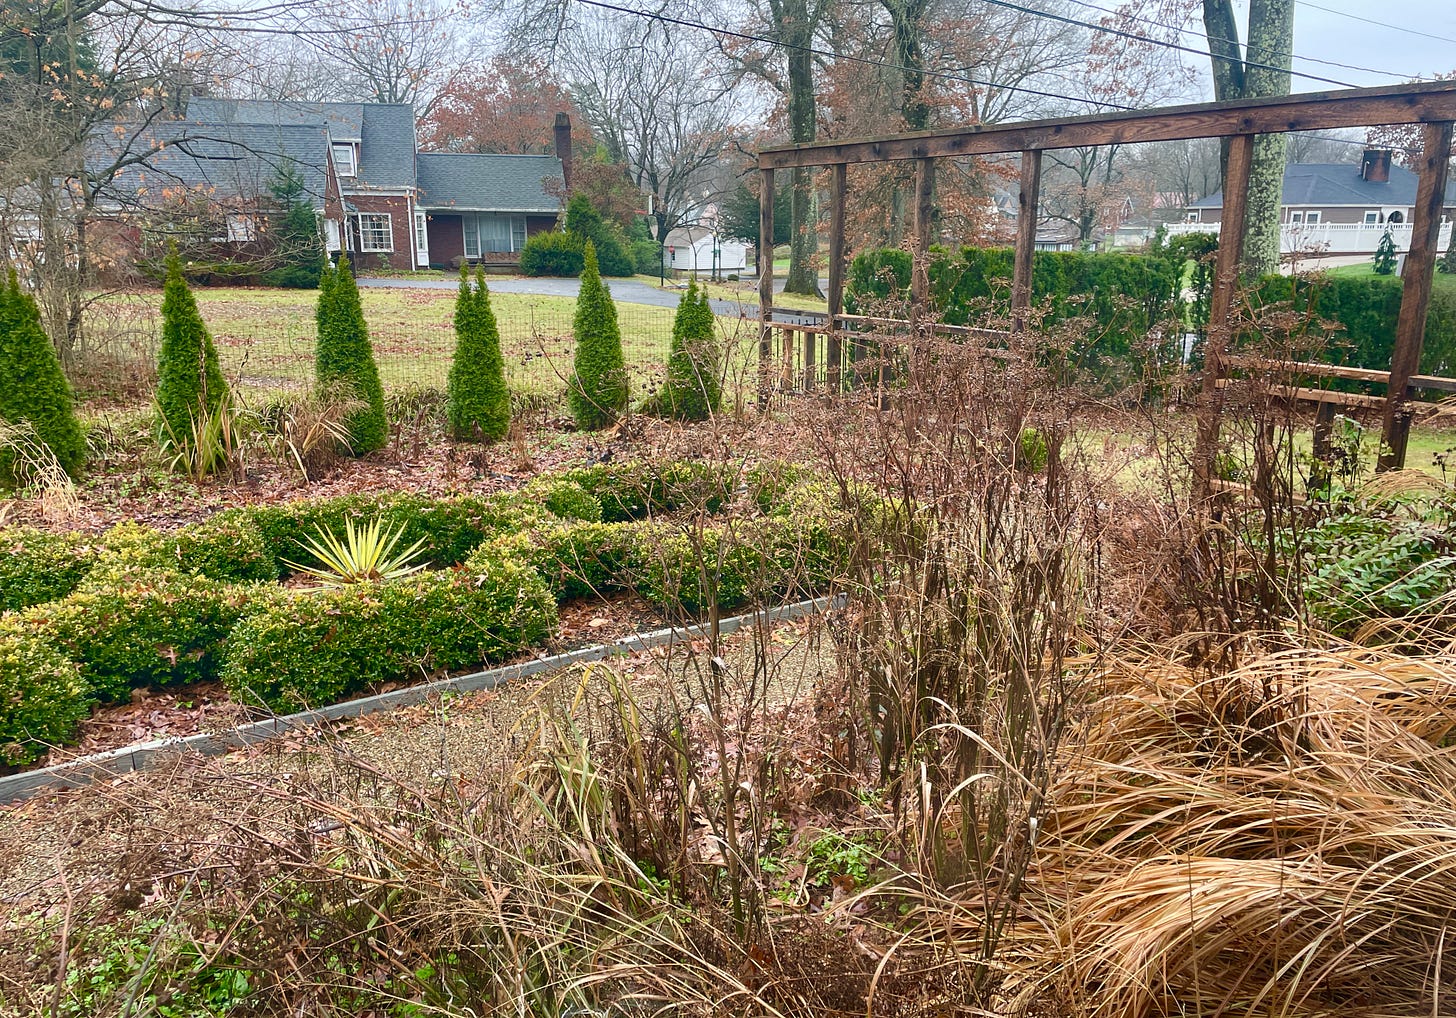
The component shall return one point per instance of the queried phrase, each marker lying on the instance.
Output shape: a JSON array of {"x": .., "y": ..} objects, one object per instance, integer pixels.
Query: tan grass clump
[{"x": 1279, "y": 840}]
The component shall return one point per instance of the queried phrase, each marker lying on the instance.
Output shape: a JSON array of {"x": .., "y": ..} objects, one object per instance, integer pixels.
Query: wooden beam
[
  {"x": 1028, "y": 204},
  {"x": 1417, "y": 279},
  {"x": 838, "y": 194},
  {"x": 1420, "y": 103},
  {"x": 1220, "y": 311},
  {"x": 765, "y": 281}
]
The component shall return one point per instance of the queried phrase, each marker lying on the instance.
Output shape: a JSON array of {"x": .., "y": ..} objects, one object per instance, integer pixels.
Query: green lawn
[
  {"x": 265, "y": 337},
  {"x": 1366, "y": 270}
]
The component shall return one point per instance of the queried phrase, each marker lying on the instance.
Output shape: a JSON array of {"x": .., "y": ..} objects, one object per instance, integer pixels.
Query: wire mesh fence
[{"x": 266, "y": 339}]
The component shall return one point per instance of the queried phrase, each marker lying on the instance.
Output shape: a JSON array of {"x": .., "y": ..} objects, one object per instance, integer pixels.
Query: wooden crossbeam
[{"x": 1420, "y": 103}]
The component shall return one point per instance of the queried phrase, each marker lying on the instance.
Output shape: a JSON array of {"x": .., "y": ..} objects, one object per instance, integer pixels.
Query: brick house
[{"x": 377, "y": 197}]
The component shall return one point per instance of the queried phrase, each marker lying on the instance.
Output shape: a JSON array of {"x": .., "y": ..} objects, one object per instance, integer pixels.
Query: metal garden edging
[{"x": 74, "y": 773}]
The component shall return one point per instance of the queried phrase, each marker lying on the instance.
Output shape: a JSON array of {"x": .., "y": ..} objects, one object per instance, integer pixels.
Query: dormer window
[{"x": 344, "y": 161}]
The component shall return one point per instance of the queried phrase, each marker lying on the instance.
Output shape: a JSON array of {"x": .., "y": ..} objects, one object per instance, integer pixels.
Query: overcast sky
[{"x": 1328, "y": 36}]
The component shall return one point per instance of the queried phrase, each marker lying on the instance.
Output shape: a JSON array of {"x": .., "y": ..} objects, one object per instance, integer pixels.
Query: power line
[
  {"x": 1235, "y": 42},
  {"x": 1158, "y": 42},
  {"x": 816, "y": 51},
  {"x": 1380, "y": 24}
]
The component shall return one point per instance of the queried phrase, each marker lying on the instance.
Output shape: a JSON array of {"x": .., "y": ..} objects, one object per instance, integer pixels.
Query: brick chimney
[
  {"x": 1375, "y": 167},
  {"x": 562, "y": 133}
]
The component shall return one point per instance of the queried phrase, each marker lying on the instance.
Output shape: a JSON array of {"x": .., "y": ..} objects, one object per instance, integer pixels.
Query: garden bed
[{"x": 106, "y": 619}]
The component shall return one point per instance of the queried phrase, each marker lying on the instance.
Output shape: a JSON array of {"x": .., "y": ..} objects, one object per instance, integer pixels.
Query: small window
[
  {"x": 1372, "y": 218},
  {"x": 376, "y": 232},
  {"x": 1311, "y": 218},
  {"x": 1296, "y": 218},
  {"x": 1194, "y": 216},
  {"x": 241, "y": 229},
  {"x": 420, "y": 232},
  {"x": 331, "y": 234},
  {"x": 344, "y": 159}
]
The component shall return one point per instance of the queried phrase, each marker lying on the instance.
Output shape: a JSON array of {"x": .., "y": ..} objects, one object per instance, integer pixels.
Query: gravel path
[{"x": 87, "y": 838}]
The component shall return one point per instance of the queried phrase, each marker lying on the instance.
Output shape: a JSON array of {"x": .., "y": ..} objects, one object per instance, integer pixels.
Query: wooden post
[
  {"x": 919, "y": 265},
  {"x": 1220, "y": 311},
  {"x": 811, "y": 367},
  {"x": 1420, "y": 267},
  {"x": 833, "y": 352},
  {"x": 1028, "y": 202},
  {"x": 765, "y": 282}
]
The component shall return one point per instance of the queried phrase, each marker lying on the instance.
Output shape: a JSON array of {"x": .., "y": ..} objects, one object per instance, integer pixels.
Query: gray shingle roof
[
  {"x": 1325, "y": 184},
  {"x": 472, "y": 182},
  {"x": 385, "y": 131},
  {"x": 222, "y": 160}
]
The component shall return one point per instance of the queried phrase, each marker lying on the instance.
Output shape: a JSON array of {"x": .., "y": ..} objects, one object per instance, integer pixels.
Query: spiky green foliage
[
  {"x": 33, "y": 388},
  {"x": 1385, "y": 255},
  {"x": 344, "y": 362},
  {"x": 190, "y": 386},
  {"x": 692, "y": 390},
  {"x": 479, "y": 406},
  {"x": 598, "y": 391}
]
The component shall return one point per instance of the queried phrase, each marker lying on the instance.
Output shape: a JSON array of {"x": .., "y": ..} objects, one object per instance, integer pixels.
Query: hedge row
[
  {"x": 1125, "y": 295},
  {"x": 1367, "y": 308},
  {"x": 89, "y": 620}
]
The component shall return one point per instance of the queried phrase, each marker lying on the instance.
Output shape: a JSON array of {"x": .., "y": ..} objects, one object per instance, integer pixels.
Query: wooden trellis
[{"x": 1431, "y": 104}]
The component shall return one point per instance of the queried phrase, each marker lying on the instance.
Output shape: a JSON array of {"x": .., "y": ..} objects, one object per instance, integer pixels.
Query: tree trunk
[
  {"x": 1271, "y": 38},
  {"x": 1264, "y": 72},
  {"x": 906, "y": 29},
  {"x": 803, "y": 128}
]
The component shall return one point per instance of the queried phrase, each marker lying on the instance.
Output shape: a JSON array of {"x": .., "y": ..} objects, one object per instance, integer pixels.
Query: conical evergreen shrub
[
  {"x": 598, "y": 392},
  {"x": 33, "y": 388},
  {"x": 479, "y": 404},
  {"x": 692, "y": 390},
  {"x": 344, "y": 360},
  {"x": 1385, "y": 255},
  {"x": 190, "y": 386}
]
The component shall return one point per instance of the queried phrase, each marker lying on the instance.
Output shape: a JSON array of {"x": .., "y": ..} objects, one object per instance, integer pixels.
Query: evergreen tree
[
  {"x": 598, "y": 392},
  {"x": 296, "y": 243},
  {"x": 33, "y": 388},
  {"x": 692, "y": 391},
  {"x": 190, "y": 386},
  {"x": 479, "y": 405},
  {"x": 1385, "y": 255},
  {"x": 344, "y": 361}
]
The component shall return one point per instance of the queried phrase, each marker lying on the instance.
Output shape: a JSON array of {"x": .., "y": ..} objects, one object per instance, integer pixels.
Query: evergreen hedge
[
  {"x": 190, "y": 385},
  {"x": 586, "y": 225},
  {"x": 38, "y": 566},
  {"x": 317, "y": 648},
  {"x": 552, "y": 254},
  {"x": 344, "y": 361},
  {"x": 33, "y": 388},
  {"x": 598, "y": 391},
  {"x": 692, "y": 389},
  {"x": 1124, "y": 295},
  {"x": 1366, "y": 308},
  {"x": 42, "y": 697},
  {"x": 479, "y": 404}
]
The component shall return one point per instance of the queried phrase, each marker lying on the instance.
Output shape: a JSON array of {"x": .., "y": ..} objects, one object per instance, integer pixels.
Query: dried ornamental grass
[{"x": 1279, "y": 840}]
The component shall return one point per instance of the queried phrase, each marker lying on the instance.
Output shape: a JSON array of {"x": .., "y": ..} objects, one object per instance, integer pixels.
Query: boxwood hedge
[
  {"x": 37, "y": 566},
  {"x": 98, "y": 617},
  {"x": 42, "y": 697},
  {"x": 318, "y": 647}
]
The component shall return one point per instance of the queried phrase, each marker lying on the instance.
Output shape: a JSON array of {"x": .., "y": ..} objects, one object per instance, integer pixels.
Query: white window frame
[
  {"x": 331, "y": 235},
  {"x": 1311, "y": 218},
  {"x": 1372, "y": 217},
  {"x": 1195, "y": 216},
  {"x": 365, "y": 246},
  {"x": 1296, "y": 217},
  {"x": 345, "y": 148},
  {"x": 241, "y": 228},
  {"x": 422, "y": 240}
]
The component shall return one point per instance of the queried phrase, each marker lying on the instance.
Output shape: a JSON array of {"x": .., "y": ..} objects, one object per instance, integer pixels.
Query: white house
[{"x": 698, "y": 251}]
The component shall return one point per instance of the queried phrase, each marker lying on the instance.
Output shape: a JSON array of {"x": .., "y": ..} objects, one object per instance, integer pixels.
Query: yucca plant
[
  {"x": 364, "y": 554},
  {"x": 212, "y": 445}
]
